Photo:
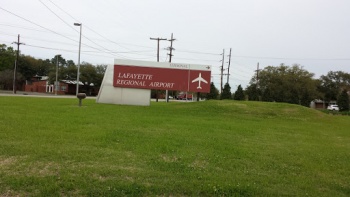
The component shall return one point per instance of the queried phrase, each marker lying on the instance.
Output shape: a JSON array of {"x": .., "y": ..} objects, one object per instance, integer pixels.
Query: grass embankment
[{"x": 225, "y": 148}]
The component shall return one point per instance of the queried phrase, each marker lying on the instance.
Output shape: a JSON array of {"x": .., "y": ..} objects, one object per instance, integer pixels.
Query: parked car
[
  {"x": 333, "y": 107},
  {"x": 184, "y": 96}
]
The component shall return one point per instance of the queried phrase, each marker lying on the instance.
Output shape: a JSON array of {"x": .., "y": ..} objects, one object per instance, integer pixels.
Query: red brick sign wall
[{"x": 129, "y": 76}]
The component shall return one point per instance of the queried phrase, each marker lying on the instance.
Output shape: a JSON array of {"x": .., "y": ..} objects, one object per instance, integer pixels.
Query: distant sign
[{"x": 162, "y": 76}]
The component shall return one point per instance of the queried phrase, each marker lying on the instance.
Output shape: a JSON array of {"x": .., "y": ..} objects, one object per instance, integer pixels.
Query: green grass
[{"x": 52, "y": 147}]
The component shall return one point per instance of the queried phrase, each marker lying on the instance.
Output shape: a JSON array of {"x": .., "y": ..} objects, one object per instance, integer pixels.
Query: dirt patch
[
  {"x": 7, "y": 161},
  {"x": 199, "y": 164},
  {"x": 168, "y": 159},
  {"x": 11, "y": 193}
]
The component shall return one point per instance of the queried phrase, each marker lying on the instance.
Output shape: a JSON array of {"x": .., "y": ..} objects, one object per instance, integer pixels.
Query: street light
[
  {"x": 78, "y": 73},
  {"x": 56, "y": 83}
]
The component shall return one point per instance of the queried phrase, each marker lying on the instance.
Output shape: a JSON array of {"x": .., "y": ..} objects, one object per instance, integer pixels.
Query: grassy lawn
[{"x": 52, "y": 147}]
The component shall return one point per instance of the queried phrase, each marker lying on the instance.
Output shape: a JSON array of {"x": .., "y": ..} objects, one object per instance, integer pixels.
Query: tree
[
  {"x": 291, "y": 84},
  {"x": 27, "y": 66},
  {"x": 343, "y": 101},
  {"x": 226, "y": 92},
  {"x": 214, "y": 92},
  {"x": 67, "y": 70},
  {"x": 100, "y": 71},
  {"x": 88, "y": 76},
  {"x": 253, "y": 92},
  {"x": 6, "y": 79},
  {"x": 239, "y": 94},
  {"x": 266, "y": 95},
  {"x": 43, "y": 67},
  {"x": 7, "y": 62},
  {"x": 7, "y": 57},
  {"x": 333, "y": 83}
]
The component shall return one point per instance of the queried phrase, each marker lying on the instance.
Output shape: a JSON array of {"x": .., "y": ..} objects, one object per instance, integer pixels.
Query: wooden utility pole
[
  {"x": 257, "y": 75},
  {"x": 171, "y": 47},
  {"x": 222, "y": 69},
  {"x": 228, "y": 68},
  {"x": 170, "y": 55},
  {"x": 158, "y": 39},
  {"x": 16, "y": 63}
]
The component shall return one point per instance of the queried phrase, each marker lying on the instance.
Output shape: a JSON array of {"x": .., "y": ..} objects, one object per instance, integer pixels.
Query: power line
[
  {"x": 108, "y": 51},
  {"x": 198, "y": 52},
  {"x": 58, "y": 33},
  {"x": 44, "y": 27},
  {"x": 87, "y": 26},
  {"x": 70, "y": 26},
  {"x": 84, "y": 52},
  {"x": 66, "y": 43},
  {"x": 17, "y": 26},
  {"x": 206, "y": 60},
  {"x": 290, "y": 58},
  {"x": 37, "y": 24}
]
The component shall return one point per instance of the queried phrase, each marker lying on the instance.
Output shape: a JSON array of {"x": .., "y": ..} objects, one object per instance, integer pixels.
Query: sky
[{"x": 312, "y": 33}]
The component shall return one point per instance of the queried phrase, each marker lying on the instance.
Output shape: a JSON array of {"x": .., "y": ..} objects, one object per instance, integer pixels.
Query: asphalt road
[
  {"x": 36, "y": 94},
  {"x": 50, "y": 95}
]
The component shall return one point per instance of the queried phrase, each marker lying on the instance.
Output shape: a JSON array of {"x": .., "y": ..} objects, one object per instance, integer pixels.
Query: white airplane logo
[{"x": 199, "y": 79}]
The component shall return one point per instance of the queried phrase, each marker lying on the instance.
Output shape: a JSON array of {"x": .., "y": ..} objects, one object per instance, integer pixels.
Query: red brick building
[{"x": 41, "y": 84}]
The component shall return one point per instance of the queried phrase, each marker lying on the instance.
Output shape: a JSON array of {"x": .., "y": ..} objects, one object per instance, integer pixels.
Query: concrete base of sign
[{"x": 123, "y": 96}]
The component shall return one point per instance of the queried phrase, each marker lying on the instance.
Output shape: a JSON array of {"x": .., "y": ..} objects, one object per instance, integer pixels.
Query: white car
[{"x": 333, "y": 107}]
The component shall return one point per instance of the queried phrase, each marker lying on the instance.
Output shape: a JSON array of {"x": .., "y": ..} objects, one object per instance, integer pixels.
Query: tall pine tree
[
  {"x": 226, "y": 92},
  {"x": 214, "y": 92},
  {"x": 239, "y": 94}
]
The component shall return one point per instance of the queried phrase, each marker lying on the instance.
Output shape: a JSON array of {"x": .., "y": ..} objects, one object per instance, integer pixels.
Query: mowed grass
[{"x": 52, "y": 147}]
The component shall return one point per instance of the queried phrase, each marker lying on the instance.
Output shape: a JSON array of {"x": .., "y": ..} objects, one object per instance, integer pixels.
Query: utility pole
[
  {"x": 170, "y": 55},
  {"x": 158, "y": 39},
  {"x": 257, "y": 75},
  {"x": 228, "y": 68},
  {"x": 222, "y": 69},
  {"x": 56, "y": 82},
  {"x": 171, "y": 47},
  {"x": 15, "y": 68}
]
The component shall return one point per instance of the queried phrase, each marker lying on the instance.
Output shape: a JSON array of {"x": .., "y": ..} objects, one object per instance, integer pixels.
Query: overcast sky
[{"x": 312, "y": 33}]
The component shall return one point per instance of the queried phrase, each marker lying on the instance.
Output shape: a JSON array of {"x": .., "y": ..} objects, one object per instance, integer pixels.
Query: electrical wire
[
  {"x": 37, "y": 24},
  {"x": 197, "y": 52},
  {"x": 44, "y": 27},
  {"x": 107, "y": 50},
  {"x": 290, "y": 58},
  {"x": 87, "y": 26},
  {"x": 17, "y": 26}
]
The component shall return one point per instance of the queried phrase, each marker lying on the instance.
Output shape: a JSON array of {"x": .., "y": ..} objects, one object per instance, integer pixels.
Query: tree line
[
  {"x": 28, "y": 66},
  {"x": 283, "y": 83},
  {"x": 290, "y": 84}
]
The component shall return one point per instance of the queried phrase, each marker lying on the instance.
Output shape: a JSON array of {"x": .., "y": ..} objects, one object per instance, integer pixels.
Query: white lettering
[
  {"x": 135, "y": 76},
  {"x": 161, "y": 85},
  {"x": 130, "y": 82},
  {"x": 179, "y": 65}
]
